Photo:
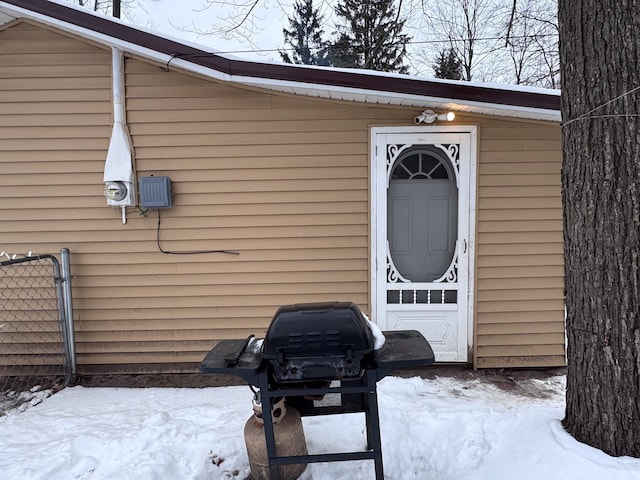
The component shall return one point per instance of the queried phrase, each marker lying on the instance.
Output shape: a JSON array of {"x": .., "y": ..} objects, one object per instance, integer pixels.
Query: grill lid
[{"x": 317, "y": 341}]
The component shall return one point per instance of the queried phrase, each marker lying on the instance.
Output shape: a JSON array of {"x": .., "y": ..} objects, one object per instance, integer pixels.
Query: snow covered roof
[{"x": 324, "y": 82}]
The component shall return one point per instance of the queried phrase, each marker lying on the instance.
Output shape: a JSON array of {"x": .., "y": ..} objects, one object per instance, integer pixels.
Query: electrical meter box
[{"x": 155, "y": 192}]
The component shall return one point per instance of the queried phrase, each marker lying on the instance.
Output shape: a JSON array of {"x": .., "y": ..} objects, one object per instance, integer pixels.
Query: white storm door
[{"x": 423, "y": 224}]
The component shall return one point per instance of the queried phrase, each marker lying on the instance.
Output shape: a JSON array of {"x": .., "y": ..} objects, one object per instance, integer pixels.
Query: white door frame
[{"x": 379, "y": 214}]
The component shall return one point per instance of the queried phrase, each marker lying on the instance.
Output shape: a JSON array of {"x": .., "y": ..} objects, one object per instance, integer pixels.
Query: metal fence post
[{"x": 67, "y": 298}]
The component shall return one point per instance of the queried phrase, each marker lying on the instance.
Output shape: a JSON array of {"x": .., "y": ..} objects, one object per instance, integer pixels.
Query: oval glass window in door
[{"x": 422, "y": 213}]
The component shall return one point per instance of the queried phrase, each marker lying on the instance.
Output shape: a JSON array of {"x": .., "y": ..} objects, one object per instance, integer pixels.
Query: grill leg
[
  {"x": 374, "y": 441},
  {"x": 269, "y": 433}
]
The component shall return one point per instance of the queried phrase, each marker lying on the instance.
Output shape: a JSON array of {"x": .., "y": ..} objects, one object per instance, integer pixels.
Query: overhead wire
[
  {"x": 587, "y": 115},
  {"x": 420, "y": 42}
]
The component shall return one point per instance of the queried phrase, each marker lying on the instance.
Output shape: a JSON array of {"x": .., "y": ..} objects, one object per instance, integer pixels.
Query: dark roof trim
[{"x": 323, "y": 76}]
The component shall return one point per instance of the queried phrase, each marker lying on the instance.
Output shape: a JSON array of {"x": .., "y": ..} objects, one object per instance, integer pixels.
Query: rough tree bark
[{"x": 600, "y": 58}]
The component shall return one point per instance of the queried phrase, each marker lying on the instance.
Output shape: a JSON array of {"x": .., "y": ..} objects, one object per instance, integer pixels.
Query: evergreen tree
[
  {"x": 370, "y": 37},
  {"x": 448, "y": 65},
  {"x": 305, "y": 36}
]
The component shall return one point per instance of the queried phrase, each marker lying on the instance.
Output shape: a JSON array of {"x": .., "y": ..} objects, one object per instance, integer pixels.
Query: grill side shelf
[
  {"x": 232, "y": 357},
  {"x": 402, "y": 349}
]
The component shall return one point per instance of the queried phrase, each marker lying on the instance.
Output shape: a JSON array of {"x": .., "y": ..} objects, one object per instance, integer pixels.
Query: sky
[
  {"x": 441, "y": 429},
  {"x": 258, "y": 38},
  {"x": 219, "y": 26}
]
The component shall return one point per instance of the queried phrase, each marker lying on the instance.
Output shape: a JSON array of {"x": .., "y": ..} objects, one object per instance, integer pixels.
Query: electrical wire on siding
[{"x": 187, "y": 252}]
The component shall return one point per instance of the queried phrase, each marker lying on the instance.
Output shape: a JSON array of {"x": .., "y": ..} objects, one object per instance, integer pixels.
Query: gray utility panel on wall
[{"x": 155, "y": 192}]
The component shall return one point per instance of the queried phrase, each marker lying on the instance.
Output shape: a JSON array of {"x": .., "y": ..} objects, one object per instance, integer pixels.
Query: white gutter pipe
[{"x": 119, "y": 177}]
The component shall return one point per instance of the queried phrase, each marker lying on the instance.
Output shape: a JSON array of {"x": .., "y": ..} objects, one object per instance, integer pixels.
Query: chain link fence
[{"x": 36, "y": 329}]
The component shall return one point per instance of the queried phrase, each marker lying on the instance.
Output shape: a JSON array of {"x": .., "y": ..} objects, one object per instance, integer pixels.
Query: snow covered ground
[{"x": 441, "y": 429}]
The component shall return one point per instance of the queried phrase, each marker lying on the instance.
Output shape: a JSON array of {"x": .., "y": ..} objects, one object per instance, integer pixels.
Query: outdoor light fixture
[{"x": 429, "y": 116}]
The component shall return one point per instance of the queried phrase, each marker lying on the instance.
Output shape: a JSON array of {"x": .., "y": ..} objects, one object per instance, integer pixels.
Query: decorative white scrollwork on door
[
  {"x": 422, "y": 162},
  {"x": 452, "y": 151}
]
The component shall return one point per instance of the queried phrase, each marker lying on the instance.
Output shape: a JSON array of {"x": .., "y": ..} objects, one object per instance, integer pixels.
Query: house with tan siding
[{"x": 288, "y": 184}]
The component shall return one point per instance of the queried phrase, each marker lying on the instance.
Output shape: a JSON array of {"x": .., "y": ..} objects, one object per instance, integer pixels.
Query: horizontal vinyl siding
[
  {"x": 262, "y": 175},
  {"x": 520, "y": 283},
  {"x": 55, "y": 116},
  {"x": 282, "y": 181}
]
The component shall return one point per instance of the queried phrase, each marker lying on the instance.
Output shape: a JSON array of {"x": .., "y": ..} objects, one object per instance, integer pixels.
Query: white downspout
[{"x": 119, "y": 176}]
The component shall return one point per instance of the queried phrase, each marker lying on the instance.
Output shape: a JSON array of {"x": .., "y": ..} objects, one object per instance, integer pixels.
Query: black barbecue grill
[
  {"x": 317, "y": 342},
  {"x": 311, "y": 350}
]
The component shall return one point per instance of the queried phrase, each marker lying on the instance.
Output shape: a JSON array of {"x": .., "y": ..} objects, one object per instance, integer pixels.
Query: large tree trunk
[{"x": 600, "y": 70}]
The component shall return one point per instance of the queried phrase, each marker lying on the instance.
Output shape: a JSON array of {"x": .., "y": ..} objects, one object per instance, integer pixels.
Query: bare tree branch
[{"x": 510, "y": 23}]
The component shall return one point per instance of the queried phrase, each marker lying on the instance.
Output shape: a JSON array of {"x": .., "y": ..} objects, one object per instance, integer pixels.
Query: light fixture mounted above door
[{"x": 429, "y": 116}]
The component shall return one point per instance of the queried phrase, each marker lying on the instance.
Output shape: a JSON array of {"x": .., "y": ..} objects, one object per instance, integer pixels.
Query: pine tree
[
  {"x": 371, "y": 36},
  {"x": 448, "y": 65},
  {"x": 305, "y": 36}
]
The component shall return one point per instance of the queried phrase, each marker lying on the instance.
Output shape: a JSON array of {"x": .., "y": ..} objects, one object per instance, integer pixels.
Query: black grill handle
[
  {"x": 350, "y": 357},
  {"x": 280, "y": 359},
  {"x": 233, "y": 359}
]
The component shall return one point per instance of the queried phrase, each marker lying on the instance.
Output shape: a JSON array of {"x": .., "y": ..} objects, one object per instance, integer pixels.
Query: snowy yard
[{"x": 441, "y": 429}]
